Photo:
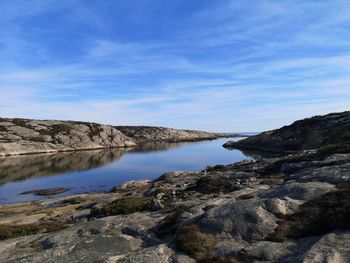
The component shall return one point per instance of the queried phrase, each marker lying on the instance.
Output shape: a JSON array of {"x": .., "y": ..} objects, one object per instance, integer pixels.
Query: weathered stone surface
[
  {"x": 335, "y": 174},
  {"x": 331, "y": 248},
  {"x": 156, "y": 254},
  {"x": 132, "y": 185},
  {"x": 300, "y": 191},
  {"x": 312, "y": 133},
  {"x": 22, "y": 136},
  {"x": 247, "y": 220},
  {"x": 30, "y": 136},
  {"x": 96, "y": 241},
  {"x": 147, "y": 133},
  {"x": 269, "y": 251}
]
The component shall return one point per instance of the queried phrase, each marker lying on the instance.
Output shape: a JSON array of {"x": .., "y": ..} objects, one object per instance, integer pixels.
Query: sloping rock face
[
  {"x": 312, "y": 133},
  {"x": 147, "y": 134},
  {"x": 20, "y": 136}
]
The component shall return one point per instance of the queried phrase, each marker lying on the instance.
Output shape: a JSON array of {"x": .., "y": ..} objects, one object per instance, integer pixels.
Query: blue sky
[{"x": 210, "y": 65}]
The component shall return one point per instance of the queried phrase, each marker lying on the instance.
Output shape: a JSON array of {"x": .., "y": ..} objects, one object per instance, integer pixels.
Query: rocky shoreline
[
  {"x": 290, "y": 208},
  {"x": 23, "y": 136}
]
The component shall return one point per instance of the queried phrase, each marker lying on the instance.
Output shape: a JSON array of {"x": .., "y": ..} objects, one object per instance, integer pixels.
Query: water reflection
[
  {"x": 258, "y": 155},
  {"x": 100, "y": 170},
  {"x": 17, "y": 168}
]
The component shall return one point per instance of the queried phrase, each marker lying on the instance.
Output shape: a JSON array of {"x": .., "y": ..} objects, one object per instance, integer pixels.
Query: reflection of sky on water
[{"x": 126, "y": 166}]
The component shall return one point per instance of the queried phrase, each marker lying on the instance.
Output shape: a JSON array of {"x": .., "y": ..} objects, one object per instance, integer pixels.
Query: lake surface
[{"x": 100, "y": 170}]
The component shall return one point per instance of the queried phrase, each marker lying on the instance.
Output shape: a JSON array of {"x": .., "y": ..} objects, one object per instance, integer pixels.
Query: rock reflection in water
[
  {"x": 100, "y": 170},
  {"x": 16, "y": 168}
]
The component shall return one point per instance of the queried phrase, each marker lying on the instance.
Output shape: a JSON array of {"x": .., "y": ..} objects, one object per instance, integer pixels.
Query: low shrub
[
  {"x": 207, "y": 185},
  {"x": 316, "y": 217},
  {"x": 12, "y": 231},
  {"x": 192, "y": 240},
  {"x": 125, "y": 205}
]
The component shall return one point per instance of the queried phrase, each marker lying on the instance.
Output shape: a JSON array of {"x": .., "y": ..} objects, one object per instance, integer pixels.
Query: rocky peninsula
[
  {"x": 23, "y": 136},
  {"x": 291, "y": 207}
]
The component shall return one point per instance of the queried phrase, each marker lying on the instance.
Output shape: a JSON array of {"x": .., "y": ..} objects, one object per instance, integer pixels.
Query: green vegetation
[
  {"x": 125, "y": 205},
  {"x": 12, "y": 231},
  {"x": 316, "y": 217},
  {"x": 207, "y": 185}
]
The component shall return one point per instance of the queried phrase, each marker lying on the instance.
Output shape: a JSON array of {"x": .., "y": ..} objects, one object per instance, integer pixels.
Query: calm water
[{"x": 97, "y": 171}]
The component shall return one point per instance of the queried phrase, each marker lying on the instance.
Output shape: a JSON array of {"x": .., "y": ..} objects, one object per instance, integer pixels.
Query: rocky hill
[
  {"x": 148, "y": 133},
  {"x": 22, "y": 136},
  {"x": 320, "y": 131}
]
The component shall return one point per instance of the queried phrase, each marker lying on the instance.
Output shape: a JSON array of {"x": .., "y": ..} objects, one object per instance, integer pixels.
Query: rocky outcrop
[
  {"x": 312, "y": 133},
  {"x": 22, "y": 136},
  {"x": 148, "y": 134}
]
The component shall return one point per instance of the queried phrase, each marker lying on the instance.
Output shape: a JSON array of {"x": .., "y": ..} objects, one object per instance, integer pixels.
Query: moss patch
[
  {"x": 207, "y": 185},
  {"x": 12, "y": 231},
  {"x": 125, "y": 205},
  {"x": 316, "y": 217}
]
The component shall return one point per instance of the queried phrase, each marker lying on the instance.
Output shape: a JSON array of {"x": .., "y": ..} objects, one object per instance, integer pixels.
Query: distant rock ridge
[
  {"x": 150, "y": 133},
  {"x": 24, "y": 136},
  {"x": 312, "y": 133}
]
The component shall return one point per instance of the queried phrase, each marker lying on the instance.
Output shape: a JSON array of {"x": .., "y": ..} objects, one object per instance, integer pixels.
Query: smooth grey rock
[
  {"x": 155, "y": 254},
  {"x": 331, "y": 248},
  {"x": 247, "y": 219},
  {"x": 300, "y": 191},
  {"x": 282, "y": 207},
  {"x": 332, "y": 174},
  {"x": 269, "y": 251}
]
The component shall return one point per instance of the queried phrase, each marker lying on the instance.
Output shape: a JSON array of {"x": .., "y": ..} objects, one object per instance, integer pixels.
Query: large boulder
[{"x": 249, "y": 220}]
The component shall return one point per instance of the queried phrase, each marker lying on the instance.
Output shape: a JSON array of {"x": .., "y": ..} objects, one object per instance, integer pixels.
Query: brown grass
[{"x": 12, "y": 231}]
